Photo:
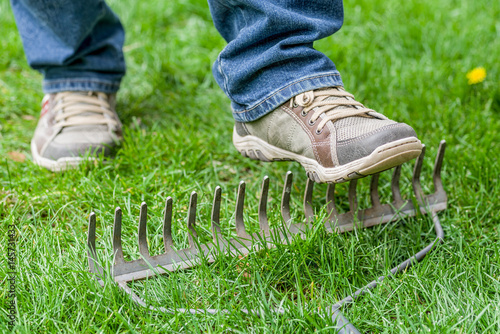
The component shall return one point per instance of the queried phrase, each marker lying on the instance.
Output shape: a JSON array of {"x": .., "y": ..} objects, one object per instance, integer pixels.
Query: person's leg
[
  {"x": 77, "y": 46},
  {"x": 270, "y": 56},
  {"x": 287, "y": 98}
]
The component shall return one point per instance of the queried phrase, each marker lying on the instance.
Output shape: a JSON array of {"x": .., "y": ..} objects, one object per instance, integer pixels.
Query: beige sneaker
[
  {"x": 73, "y": 125},
  {"x": 334, "y": 137}
]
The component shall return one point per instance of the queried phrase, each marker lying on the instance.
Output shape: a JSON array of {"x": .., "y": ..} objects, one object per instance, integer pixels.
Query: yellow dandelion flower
[{"x": 477, "y": 75}]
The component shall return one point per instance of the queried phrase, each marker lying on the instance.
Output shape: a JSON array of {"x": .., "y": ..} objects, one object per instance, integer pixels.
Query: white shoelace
[
  {"x": 321, "y": 103},
  {"x": 77, "y": 108}
]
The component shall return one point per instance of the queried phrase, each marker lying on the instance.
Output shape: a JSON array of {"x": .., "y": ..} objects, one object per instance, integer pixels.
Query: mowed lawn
[{"x": 406, "y": 59}]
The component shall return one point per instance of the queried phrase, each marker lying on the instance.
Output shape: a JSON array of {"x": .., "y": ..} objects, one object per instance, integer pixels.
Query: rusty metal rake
[{"x": 123, "y": 271}]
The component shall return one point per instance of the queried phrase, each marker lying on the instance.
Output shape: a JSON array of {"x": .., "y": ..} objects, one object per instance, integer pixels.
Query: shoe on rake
[{"x": 123, "y": 271}]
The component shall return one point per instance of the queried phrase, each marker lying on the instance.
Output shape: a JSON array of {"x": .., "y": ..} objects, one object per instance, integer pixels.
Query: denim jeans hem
[
  {"x": 80, "y": 84},
  {"x": 282, "y": 95}
]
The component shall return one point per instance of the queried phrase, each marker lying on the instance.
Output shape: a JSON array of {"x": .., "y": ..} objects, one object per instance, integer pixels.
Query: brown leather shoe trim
[{"x": 320, "y": 141}]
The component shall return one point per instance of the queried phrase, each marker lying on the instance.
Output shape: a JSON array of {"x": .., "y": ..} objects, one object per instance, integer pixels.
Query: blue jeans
[{"x": 269, "y": 58}]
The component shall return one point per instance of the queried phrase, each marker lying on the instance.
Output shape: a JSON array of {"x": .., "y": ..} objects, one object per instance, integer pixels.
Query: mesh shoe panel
[{"x": 352, "y": 127}]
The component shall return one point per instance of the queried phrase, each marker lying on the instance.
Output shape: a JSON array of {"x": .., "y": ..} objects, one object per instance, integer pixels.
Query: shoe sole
[
  {"x": 58, "y": 165},
  {"x": 384, "y": 157}
]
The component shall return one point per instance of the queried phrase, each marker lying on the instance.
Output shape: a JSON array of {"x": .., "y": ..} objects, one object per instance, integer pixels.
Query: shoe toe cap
[
  {"x": 69, "y": 145},
  {"x": 357, "y": 148}
]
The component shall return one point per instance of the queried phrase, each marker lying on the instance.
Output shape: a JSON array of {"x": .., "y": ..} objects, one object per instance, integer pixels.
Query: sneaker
[
  {"x": 334, "y": 137},
  {"x": 73, "y": 127}
]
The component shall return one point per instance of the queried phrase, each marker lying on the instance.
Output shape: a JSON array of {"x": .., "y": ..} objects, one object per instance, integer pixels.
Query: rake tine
[
  {"x": 263, "y": 223},
  {"x": 143, "y": 237},
  {"x": 375, "y": 197},
  {"x": 216, "y": 213},
  {"x": 240, "y": 224},
  {"x": 172, "y": 261},
  {"x": 117, "y": 237},
  {"x": 285, "y": 198},
  {"x": 436, "y": 176},
  {"x": 128, "y": 271},
  {"x": 91, "y": 242},
  {"x": 330, "y": 202},
  {"x": 308, "y": 209},
  {"x": 417, "y": 187},
  {"x": 396, "y": 191},
  {"x": 353, "y": 198},
  {"x": 167, "y": 225},
  {"x": 191, "y": 220}
]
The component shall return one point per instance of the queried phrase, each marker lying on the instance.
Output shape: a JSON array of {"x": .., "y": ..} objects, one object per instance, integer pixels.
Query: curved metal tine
[
  {"x": 91, "y": 252},
  {"x": 216, "y": 231},
  {"x": 396, "y": 191},
  {"x": 167, "y": 225},
  {"x": 436, "y": 176},
  {"x": 308, "y": 209},
  {"x": 353, "y": 198},
  {"x": 263, "y": 223},
  {"x": 240, "y": 199},
  {"x": 285, "y": 198},
  {"x": 143, "y": 231},
  {"x": 191, "y": 219},
  {"x": 117, "y": 237},
  {"x": 374, "y": 195},
  {"x": 330, "y": 202},
  {"x": 417, "y": 187}
]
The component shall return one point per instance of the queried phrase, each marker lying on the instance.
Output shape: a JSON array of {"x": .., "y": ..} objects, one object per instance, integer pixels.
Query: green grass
[{"x": 406, "y": 59}]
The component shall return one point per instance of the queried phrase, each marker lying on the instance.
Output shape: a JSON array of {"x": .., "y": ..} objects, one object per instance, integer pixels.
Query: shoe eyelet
[
  {"x": 303, "y": 113},
  {"x": 318, "y": 132},
  {"x": 311, "y": 123},
  {"x": 295, "y": 105}
]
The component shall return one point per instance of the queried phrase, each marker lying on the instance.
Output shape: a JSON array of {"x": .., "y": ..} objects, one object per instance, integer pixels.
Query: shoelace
[
  {"x": 321, "y": 103},
  {"x": 75, "y": 108}
]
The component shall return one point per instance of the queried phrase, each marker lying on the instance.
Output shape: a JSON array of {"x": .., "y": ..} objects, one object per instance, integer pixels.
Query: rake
[{"x": 123, "y": 271}]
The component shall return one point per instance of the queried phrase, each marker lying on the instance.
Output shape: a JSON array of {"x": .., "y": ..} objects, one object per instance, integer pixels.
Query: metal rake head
[{"x": 126, "y": 271}]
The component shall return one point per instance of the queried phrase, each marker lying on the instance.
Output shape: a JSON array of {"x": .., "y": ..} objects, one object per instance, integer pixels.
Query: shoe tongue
[
  {"x": 82, "y": 104},
  {"x": 348, "y": 121},
  {"x": 355, "y": 126},
  {"x": 345, "y": 98}
]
